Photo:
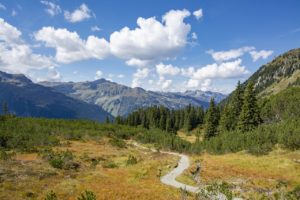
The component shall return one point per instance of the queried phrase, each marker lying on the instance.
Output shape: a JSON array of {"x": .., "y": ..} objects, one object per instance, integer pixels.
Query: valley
[{"x": 149, "y": 100}]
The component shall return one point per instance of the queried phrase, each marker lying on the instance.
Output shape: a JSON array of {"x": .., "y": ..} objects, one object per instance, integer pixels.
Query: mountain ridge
[
  {"x": 26, "y": 98},
  {"x": 121, "y": 100}
]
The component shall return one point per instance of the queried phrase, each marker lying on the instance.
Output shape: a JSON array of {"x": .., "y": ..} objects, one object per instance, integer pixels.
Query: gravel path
[{"x": 170, "y": 178}]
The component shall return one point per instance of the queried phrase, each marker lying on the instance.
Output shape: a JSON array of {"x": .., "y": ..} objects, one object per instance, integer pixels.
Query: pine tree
[
  {"x": 249, "y": 117},
  {"x": 237, "y": 100},
  {"x": 228, "y": 119},
  {"x": 168, "y": 123},
  {"x": 212, "y": 120}
]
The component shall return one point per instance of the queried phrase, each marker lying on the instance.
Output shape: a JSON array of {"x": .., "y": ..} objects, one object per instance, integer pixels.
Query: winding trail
[
  {"x": 170, "y": 178},
  {"x": 183, "y": 164}
]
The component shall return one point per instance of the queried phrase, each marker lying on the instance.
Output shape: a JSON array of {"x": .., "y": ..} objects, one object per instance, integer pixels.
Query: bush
[
  {"x": 131, "y": 160},
  {"x": 87, "y": 195},
  {"x": 117, "y": 142},
  {"x": 109, "y": 164},
  {"x": 6, "y": 155},
  {"x": 51, "y": 196},
  {"x": 60, "y": 160}
]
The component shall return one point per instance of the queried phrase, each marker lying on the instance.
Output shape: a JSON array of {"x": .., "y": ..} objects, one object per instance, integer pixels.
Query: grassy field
[
  {"x": 250, "y": 176},
  {"x": 28, "y": 176}
]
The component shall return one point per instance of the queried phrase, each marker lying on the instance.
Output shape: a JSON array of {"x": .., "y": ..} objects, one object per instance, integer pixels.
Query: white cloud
[
  {"x": 194, "y": 36},
  {"x": 95, "y": 28},
  {"x": 121, "y": 76},
  {"x": 203, "y": 85},
  {"x": 138, "y": 76},
  {"x": 138, "y": 62},
  {"x": 14, "y": 12},
  {"x": 229, "y": 55},
  {"x": 162, "y": 70},
  {"x": 98, "y": 74},
  {"x": 78, "y": 15},
  {"x": 145, "y": 45},
  {"x": 166, "y": 84},
  {"x": 70, "y": 47},
  {"x": 264, "y": 54},
  {"x": 15, "y": 55},
  {"x": 225, "y": 70},
  {"x": 52, "y": 8},
  {"x": 54, "y": 75},
  {"x": 198, "y": 14},
  {"x": 152, "y": 39},
  {"x": 2, "y": 7}
]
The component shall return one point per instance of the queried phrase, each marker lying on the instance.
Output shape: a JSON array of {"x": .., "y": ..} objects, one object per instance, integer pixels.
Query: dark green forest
[{"x": 242, "y": 123}]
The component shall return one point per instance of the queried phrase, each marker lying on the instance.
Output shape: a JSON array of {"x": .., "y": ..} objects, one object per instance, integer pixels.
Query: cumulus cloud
[
  {"x": 2, "y": 7},
  {"x": 264, "y": 54},
  {"x": 152, "y": 39},
  {"x": 203, "y": 85},
  {"x": 54, "y": 75},
  {"x": 70, "y": 47},
  {"x": 51, "y": 8},
  {"x": 95, "y": 28},
  {"x": 166, "y": 84},
  {"x": 198, "y": 14},
  {"x": 138, "y": 62},
  {"x": 145, "y": 45},
  {"x": 230, "y": 54},
  {"x": 139, "y": 75},
  {"x": 162, "y": 70},
  {"x": 15, "y": 55},
  {"x": 78, "y": 15},
  {"x": 121, "y": 76},
  {"x": 225, "y": 70},
  {"x": 98, "y": 74}
]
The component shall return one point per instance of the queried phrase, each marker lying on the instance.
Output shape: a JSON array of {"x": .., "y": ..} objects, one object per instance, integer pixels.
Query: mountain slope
[
  {"x": 121, "y": 100},
  {"x": 278, "y": 74},
  {"x": 28, "y": 99}
]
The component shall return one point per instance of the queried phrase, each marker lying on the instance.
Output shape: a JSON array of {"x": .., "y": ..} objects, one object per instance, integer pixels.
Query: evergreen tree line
[
  {"x": 165, "y": 119},
  {"x": 240, "y": 113}
]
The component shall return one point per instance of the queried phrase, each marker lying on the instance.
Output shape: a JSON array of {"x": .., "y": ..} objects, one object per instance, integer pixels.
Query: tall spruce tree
[
  {"x": 226, "y": 121},
  {"x": 249, "y": 117},
  {"x": 212, "y": 120}
]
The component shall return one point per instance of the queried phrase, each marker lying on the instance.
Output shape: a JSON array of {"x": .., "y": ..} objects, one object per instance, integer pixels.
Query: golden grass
[
  {"x": 250, "y": 173},
  {"x": 29, "y": 175}
]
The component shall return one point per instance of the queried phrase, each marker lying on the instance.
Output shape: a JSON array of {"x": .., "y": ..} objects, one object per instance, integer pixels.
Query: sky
[{"x": 170, "y": 45}]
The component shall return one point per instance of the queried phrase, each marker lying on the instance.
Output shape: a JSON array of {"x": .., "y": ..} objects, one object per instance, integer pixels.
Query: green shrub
[
  {"x": 117, "y": 142},
  {"x": 87, "y": 195},
  {"x": 109, "y": 164},
  {"x": 6, "y": 155},
  {"x": 131, "y": 160},
  {"x": 51, "y": 196}
]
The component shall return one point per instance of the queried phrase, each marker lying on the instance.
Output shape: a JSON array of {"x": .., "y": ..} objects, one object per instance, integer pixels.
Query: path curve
[
  {"x": 183, "y": 164},
  {"x": 170, "y": 178}
]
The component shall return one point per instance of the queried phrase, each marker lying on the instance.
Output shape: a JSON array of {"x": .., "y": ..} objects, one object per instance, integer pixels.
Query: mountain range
[
  {"x": 121, "y": 100},
  {"x": 26, "y": 98},
  {"x": 94, "y": 100}
]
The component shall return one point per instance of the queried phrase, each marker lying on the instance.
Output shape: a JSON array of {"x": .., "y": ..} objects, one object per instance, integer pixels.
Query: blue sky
[{"x": 158, "y": 45}]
